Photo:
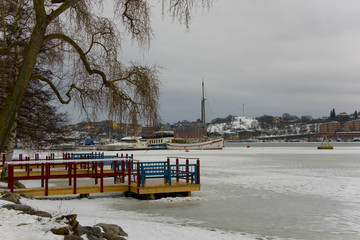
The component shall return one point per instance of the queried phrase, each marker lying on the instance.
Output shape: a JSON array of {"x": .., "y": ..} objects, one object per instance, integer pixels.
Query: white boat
[
  {"x": 203, "y": 145},
  {"x": 206, "y": 143},
  {"x": 159, "y": 139},
  {"x": 125, "y": 143}
]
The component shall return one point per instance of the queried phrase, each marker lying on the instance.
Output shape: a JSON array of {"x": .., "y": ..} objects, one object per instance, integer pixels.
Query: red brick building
[
  {"x": 329, "y": 129},
  {"x": 333, "y": 130},
  {"x": 352, "y": 126}
]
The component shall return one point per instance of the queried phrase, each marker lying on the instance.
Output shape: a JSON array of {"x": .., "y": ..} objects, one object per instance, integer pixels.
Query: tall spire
[{"x": 203, "y": 107}]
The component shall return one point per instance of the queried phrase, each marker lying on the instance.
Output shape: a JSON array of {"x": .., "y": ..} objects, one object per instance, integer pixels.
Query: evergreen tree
[{"x": 332, "y": 114}]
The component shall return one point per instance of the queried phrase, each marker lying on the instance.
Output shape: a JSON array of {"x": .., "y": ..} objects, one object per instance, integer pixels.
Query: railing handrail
[
  {"x": 56, "y": 161},
  {"x": 190, "y": 158},
  {"x": 135, "y": 170}
]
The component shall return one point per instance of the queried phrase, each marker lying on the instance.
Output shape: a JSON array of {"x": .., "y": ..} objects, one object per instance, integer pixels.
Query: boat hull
[{"x": 206, "y": 145}]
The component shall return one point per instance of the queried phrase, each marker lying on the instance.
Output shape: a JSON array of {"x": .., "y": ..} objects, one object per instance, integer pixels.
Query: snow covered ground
[{"x": 261, "y": 192}]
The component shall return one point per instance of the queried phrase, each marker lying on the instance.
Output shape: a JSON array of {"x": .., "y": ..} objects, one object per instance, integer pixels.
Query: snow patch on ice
[{"x": 178, "y": 200}]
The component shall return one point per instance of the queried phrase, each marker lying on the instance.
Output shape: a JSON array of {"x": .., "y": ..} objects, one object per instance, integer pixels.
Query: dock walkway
[{"x": 96, "y": 173}]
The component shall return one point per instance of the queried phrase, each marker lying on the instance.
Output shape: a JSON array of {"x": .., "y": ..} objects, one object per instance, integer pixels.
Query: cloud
[{"x": 274, "y": 56}]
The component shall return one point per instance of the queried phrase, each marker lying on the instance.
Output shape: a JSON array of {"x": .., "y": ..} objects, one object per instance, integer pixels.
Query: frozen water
[{"x": 266, "y": 191}]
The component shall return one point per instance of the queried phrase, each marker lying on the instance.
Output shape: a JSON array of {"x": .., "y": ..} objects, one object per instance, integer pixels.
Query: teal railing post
[
  {"x": 142, "y": 174},
  {"x": 197, "y": 172}
]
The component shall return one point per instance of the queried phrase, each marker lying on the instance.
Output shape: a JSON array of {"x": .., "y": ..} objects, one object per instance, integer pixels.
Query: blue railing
[
  {"x": 94, "y": 156},
  {"x": 165, "y": 171}
]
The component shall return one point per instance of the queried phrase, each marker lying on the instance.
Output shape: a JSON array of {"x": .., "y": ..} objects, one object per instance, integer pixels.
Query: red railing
[
  {"x": 99, "y": 168},
  {"x": 44, "y": 170}
]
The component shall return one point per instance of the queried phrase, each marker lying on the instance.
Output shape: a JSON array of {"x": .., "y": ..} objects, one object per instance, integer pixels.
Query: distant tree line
[
  {"x": 342, "y": 117},
  {"x": 227, "y": 119}
]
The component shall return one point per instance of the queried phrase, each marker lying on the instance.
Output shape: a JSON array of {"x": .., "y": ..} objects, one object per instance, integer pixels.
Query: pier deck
[{"x": 104, "y": 175}]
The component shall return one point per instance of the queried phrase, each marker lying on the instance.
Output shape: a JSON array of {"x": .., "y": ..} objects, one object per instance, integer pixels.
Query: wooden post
[
  {"x": 42, "y": 174},
  {"x": 187, "y": 170},
  {"x": 168, "y": 176},
  {"x": 138, "y": 173},
  {"x": 75, "y": 183},
  {"x": 198, "y": 171},
  {"x": 177, "y": 170},
  {"x": 20, "y": 159},
  {"x": 27, "y": 167},
  {"x": 129, "y": 172},
  {"x": 96, "y": 172},
  {"x": 47, "y": 175},
  {"x": 11, "y": 177},
  {"x": 122, "y": 171},
  {"x": 101, "y": 176},
  {"x": 69, "y": 172},
  {"x": 115, "y": 170}
]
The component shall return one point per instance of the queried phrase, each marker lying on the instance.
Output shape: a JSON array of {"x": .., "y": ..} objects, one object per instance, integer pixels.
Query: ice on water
[{"x": 265, "y": 191}]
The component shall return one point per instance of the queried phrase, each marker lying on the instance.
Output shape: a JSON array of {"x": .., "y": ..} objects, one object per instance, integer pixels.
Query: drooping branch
[
  {"x": 53, "y": 87},
  {"x": 136, "y": 17},
  {"x": 58, "y": 1},
  {"x": 93, "y": 42},
  {"x": 5, "y": 50},
  {"x": 115, "y": 92},
  {"x": 66, "y": 4},
  {"x": 82, "y": 55}
]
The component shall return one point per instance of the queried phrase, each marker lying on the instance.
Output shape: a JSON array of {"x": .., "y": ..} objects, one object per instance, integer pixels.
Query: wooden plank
[
  {"x": 55, "y": 191},
  {"x": 167, "y": 189},
  {"x": 116, "y": 188},
  {"x": 34, "y": 192}
]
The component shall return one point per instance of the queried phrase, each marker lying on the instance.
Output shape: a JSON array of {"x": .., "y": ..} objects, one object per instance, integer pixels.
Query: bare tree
[
  {"x": 38, "y": 117},
  {"x": 81, "y": 45}
]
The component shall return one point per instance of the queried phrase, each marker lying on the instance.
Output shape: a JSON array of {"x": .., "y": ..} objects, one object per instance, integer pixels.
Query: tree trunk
[
  {"x": 10, "y": 146},
  {"x": 15, "y": 97}
]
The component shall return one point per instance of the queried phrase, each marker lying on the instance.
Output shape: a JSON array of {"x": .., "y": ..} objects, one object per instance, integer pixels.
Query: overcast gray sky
[{"x": 272, "y": 56}]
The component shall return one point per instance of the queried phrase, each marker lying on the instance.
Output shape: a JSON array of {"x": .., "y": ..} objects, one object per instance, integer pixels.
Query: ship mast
[{"x": 203, "y": 108}]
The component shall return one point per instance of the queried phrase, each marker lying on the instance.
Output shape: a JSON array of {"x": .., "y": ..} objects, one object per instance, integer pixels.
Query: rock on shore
[{"x": 16, "y": 216}]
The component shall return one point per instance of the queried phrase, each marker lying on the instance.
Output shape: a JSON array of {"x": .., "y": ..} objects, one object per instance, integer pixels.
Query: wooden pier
[{"x": 85, "y": 174}]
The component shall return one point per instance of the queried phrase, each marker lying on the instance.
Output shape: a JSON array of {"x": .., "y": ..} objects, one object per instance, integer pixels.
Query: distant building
[
  {"x": 350, "y": 130},
  {"x": 189, "y": 130},
  {"x": 276, "y": 120},
  {"x": 352, "y": 126},
  {"x": 329, "y": 129}
]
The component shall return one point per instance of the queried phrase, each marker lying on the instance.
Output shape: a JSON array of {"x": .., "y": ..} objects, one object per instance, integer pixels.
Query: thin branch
[
  {"x": 66, "y": 4},
  {"x": 53, "y": 87},
  {"x": 81, "y": 53},
  {"x": 13, "y": 45},
  {"x": 93, "y": 42}
]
